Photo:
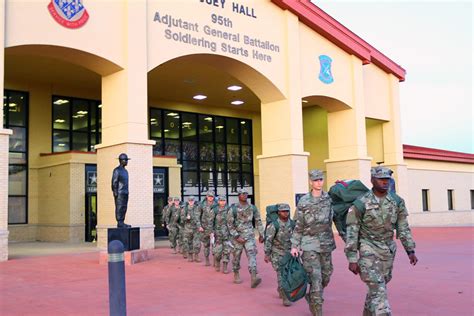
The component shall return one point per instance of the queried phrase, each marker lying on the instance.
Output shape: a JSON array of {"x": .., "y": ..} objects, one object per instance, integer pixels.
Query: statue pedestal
[{"x": 130, "y": 237}]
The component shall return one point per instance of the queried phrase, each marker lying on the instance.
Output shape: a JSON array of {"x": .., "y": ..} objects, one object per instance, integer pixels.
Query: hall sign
[{"x": 217, "y": 34}]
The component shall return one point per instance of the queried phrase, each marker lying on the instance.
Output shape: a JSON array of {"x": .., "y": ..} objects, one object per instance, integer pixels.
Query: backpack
[
  {"x": 294, "y": 280},
  {"x": 272, "y": 217},
  {"x": 344, "y": 194}
]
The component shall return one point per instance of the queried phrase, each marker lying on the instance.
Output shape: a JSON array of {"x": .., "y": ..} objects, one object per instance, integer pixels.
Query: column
[
  {"x": 347, "y": 140},
  {"x": 392, "y": 140},
  {"x": 283, "y": 165},
  {"x": 4, "y": 136},
  {"x": 125, "y": 129}
]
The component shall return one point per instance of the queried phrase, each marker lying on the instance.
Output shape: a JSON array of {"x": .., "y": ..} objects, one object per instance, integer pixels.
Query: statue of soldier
[
  {"x": 313, "y": 234},
  {"x": 371, "y": 222},
  {"x": 239, "y": 222},
  {"x": 120, "y": 190},
  {"x": 207, "y": 222}
]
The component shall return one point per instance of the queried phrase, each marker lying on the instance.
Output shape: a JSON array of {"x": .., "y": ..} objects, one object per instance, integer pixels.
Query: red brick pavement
[{"x": 441, "y": 284}]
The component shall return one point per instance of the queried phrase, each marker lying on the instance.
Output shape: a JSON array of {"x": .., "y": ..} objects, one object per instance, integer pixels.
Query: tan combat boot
[
  {"x": 316, "y": 309},
  {"x": 173, "y": 251},
  {"x": 279, "y": 291},
  {"x": 366, "y": 312},
  {"x": 224, "y": 268},
  {"x": 255, "y": 280},
  {"x": 208, "y": 263},
  {"x": 185, "y": 255},
  {"x": 286, "y": 301},
  {"x": 218, "y": 266},
  {"x": 196, "y": 258},
  {"x": 190, "y": 257},
  {"x": 237, "y": 279}
]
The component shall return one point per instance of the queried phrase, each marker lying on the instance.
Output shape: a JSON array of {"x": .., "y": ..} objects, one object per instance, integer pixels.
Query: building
[{"x": 201, "y": 94}]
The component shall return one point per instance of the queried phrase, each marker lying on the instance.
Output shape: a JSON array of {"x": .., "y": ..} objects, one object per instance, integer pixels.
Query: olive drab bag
[
  {"x": 272, "y": 217},
  {"x": 294, "y": 280},
  {"x": 343, "y": 194}
]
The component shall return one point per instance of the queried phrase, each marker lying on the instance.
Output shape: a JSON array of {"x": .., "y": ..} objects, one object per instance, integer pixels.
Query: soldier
[
  {"x": 239, "y": 222},
  {"x": 277, "y": 244},
  {"x": 207, "y": 222},
  {"x": 313, "y": 234},
  {"x": 164, "y": 212},
  {"x": 171, "y": 219},
  {"x": 222, "y": 245},
  {"x": 370, "y": 225},
  {"x": 190, "y": 217}
]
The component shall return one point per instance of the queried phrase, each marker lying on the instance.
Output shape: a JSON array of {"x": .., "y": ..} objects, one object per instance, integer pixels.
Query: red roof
[
  {"x": 424, "y": 153},
  {"x": 324, "y": 24}
]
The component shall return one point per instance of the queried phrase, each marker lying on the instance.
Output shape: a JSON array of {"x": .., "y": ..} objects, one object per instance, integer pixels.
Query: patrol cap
[
  {"x": 191, "y": 198},
  {"x": 210, "y": 193},
  {"x": 242, "y": 191},
  {"x": 283, "y": 207},
  {"x": 221, "y": 198},
  {"x": 316, "y": 174},
  {"x": 123, "y": 156},
  {"x": 381, "y": 172},
  {"x": 176, "y": 198},
  {"x": 170, "y": 198}
]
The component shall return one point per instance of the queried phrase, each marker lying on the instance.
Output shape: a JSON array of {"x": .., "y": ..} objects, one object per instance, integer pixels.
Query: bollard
[{"x": 117, "y": 295}]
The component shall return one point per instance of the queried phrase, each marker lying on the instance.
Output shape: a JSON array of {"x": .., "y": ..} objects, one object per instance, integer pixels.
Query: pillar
[
  {"x": 125, "y": 129},
  {"x": 283, "y": 165},
  {"x": 347, "y": 140},
  {"x": 4, "y": 137}
]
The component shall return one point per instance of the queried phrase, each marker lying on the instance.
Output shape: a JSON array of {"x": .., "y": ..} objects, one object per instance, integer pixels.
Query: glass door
[
  {"x": 91, "y": 203},
  {"x": 160, "y": 196}
]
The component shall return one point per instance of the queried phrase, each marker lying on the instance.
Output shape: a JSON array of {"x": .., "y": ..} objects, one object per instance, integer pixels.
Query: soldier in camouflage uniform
[
  {"x": 313, "y": 234},
  {"x": 207, "y": 222},
  {"x": 190, "y": 216},
  {"x": 171, "y": 216},
  {"x": 277, "y": 244},
  {"x": 222, "y": 246},
  {"x": 370, "y": 225},
  {"x": 239, "y": 222},
  {"x": 164, "y": 212}
]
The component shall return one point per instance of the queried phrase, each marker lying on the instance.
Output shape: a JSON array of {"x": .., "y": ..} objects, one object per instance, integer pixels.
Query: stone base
[
  {"x": 130, "y": 257},
  {"x": 3, "y": 245}
]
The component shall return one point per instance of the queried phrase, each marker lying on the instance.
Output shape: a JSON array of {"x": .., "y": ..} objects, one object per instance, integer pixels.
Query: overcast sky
[{"x": 432, "y": 40}]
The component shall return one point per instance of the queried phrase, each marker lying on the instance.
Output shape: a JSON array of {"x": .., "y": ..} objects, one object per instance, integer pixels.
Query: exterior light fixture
[
  {"x": 234, "y": 88},
  {"x": 237, "y": 102},
  {"x": 199, "y": 97}
]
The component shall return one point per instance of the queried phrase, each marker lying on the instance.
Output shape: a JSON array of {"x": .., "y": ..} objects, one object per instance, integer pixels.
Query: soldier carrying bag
[
  {"x": 272, "y": 217},
  {"x": 294, "y": 280}
]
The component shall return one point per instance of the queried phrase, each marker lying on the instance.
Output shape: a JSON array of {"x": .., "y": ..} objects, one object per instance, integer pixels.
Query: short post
[{"x": 117, "y": 295}]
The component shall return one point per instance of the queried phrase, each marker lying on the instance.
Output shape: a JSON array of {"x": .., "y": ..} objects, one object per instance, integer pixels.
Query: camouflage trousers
[
  {"x": 275, "y": 259},
  {"x": 222, "y": 248},
  {"x": 318, "y": 267},
  {"x": 191, "y": 241},
  {"x": 250, "y": 247},
  {"x": 206, "y": 242},
  {"x": 173, "y": 235},
  {"x": 376, "y": 273},
  {"x": 180, "y": 238}
]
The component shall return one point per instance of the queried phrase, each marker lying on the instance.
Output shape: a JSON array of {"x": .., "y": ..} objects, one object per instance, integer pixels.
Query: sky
[{"x": 432, "y": 41}]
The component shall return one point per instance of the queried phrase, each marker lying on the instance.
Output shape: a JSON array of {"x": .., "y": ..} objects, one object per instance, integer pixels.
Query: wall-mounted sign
[
  {"x": 69, "y": 13},
  {"x": 159, "y": 181},
  {"x": 325, "y": 74},
  {"x": 91, "y": 184}
]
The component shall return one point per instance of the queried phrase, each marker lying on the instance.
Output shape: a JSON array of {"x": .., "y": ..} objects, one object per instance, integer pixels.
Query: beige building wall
[{"x": 438, "y": 178}]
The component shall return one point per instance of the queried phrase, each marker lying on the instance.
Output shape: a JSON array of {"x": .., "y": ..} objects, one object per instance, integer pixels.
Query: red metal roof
[
  {"x": 324, "y": 24},
  {"x": 424, "y": 153}
]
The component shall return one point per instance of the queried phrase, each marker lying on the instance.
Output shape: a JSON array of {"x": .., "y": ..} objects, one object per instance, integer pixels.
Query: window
[
  {"x": 15, "y": 117},
  {"x": 425, "y": 199},
  {"x": 76, "y": 124},
  {"x": 450, "y": 200},
  {"x": 215, "y": 152},
  {"x": 472, "y": 199}
]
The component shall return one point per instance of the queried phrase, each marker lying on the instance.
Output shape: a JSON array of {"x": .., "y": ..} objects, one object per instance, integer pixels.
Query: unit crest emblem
[{"x": 69, "y": 13}]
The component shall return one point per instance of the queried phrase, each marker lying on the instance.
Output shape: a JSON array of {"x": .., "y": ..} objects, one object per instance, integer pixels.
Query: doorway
[
  {"x": 160, "y": 198},
  {"x": 91, "y": 203}
]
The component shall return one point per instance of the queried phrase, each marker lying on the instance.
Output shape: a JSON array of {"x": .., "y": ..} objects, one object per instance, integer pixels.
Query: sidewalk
[{"x": 75, "y": 284}]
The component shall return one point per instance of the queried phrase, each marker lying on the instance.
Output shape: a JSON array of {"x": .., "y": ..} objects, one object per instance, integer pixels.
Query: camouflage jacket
[
  {"x": 164, "y": 214},
  {"x": 241, "y": 225},
  {"x": 207, "y": 216},
  {"x": 373, "y": 229},
  {"x": 313, "y": 229},
  {"x": 220, "y": 223},
  {"x": 278, "y": 242},
  {"x": 190, "y": 216},
  {"x": 172, "y": 216}
]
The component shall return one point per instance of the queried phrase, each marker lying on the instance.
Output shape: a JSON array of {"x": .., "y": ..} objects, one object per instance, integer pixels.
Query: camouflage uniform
[
  {"x": 241, "y": 226},
  {"x": 313, "y": 234},
  {"x": 207, "y": 222},
  {"x": 171, "y": 220},
  {"x": 222, "y": 245},
  {"x": 277, "y": 244},
  {"x": 371, "y": 233},
  {"x": 191, "y": 236}
]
